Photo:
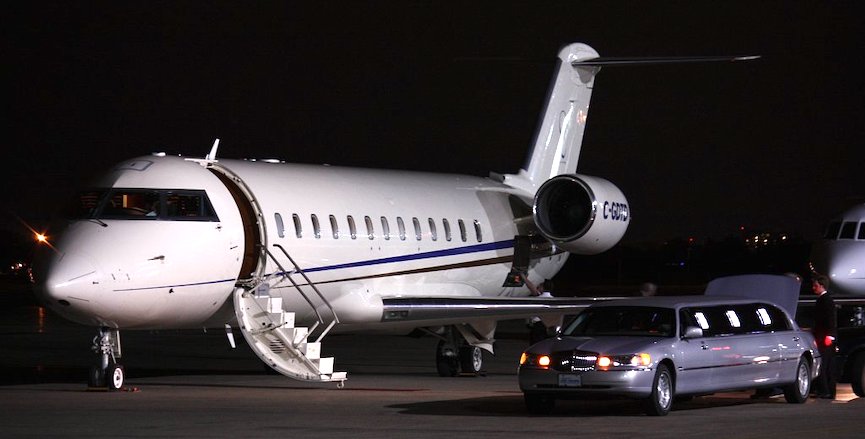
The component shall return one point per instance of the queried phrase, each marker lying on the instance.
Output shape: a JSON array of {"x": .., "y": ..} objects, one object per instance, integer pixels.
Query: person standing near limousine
[{"x": 825, "y": 332}]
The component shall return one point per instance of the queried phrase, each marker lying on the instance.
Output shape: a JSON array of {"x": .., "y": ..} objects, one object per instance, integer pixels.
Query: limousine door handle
[
  {"x": 796, "y": 338},
  {"x": 704, "y": 346}
]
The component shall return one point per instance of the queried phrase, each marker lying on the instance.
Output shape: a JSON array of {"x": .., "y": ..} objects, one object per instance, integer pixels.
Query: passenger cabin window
[
  {"x": 447, "y": 226},
  {"x": 298, "y": 229},
  {"x": 432, "y": 230},
  {"x": 280, "y": 227},
  {"x": 145, "y": 204},
  {"x": 370, "y": 232},
  {"x": 401, "y": 226},
  {"x": 385, "y": 229},
  {"x": 334, "y": 227},
  {"x": 736, "y": 319},
  {"x": 478, "y": 231},
  {"x": 462, "y": 230},
  {"x": 316, "y": 230},
  {"x": 417, "y": 232},
  {"x": 861, "y": 231},
  {"x": 352, "y": 228},
  {"x": 848, "y": 230}
]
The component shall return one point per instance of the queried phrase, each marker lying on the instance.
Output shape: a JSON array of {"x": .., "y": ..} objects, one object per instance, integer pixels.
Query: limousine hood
[{"x": 602, "y": 345}]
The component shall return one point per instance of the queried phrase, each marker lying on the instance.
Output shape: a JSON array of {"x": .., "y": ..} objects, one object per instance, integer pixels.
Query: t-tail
[
  {"x": 559, "y": 136},
  {"x": 579, "y": 213}
]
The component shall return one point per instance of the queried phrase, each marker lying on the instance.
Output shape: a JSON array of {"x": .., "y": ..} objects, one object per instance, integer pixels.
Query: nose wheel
[{"x": 107, "y": 375}]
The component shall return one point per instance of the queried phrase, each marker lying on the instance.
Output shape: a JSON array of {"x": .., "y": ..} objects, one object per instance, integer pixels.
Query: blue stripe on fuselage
[{"x": 425, "y": 255}]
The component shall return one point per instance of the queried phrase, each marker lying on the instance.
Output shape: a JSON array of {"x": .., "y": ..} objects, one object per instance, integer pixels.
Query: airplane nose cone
[{"x": 69, "y": 283}]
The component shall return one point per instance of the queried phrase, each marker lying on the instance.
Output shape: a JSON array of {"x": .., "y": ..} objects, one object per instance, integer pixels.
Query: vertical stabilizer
[{"x": 557, "y": 143}]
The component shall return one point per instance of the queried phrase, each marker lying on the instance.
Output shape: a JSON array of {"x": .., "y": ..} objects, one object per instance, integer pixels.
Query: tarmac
[{"x": 192, "y": 384}]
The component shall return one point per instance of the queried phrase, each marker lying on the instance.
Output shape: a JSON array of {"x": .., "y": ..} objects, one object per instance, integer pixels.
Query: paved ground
[{"x": 191, "y": 384}]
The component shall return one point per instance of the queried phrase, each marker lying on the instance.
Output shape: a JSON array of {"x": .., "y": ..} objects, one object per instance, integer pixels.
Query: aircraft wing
[{"x": 453, "y": 310}]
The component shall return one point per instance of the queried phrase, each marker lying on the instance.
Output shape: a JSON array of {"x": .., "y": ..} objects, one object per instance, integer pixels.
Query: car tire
[
  {"x": 857, "y": 378},
  {"x": 797, "y": 392},
  {"x": 661, "y": 399},
  {"x": 539, "y": 404}
]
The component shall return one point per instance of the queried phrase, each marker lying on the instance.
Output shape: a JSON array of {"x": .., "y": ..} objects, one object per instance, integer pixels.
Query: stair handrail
[{"x": 308, "y": 282}]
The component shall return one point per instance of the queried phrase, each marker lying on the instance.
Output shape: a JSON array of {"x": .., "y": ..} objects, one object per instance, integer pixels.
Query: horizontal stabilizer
[{"x": 616, "y": 61}]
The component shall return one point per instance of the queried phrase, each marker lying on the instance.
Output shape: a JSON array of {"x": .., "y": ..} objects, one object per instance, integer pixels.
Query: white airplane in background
[
  {"x": 841, "y": 253},
  {"x": 290, "y": 253}
]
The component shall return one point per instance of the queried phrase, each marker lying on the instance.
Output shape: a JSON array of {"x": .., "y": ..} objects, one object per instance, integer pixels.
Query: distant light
[{"x": 41, "y": 238}]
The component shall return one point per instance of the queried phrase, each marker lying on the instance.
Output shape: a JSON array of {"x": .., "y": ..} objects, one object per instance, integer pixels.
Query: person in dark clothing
[{"x": 826, "y": 332}]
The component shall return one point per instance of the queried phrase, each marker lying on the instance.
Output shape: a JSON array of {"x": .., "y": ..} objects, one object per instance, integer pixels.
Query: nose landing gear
[{"x": 107, "y": 375}]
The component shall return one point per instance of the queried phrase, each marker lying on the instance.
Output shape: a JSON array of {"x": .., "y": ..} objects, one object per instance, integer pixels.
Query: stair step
[
  {"x": 337, "y": 376},
  {"x": 312, "y": 350},
  {"x": 325, "y": 365}
]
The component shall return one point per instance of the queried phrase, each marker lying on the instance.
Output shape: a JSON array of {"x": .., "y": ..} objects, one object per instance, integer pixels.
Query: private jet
[{"x": 290, "y": 253}]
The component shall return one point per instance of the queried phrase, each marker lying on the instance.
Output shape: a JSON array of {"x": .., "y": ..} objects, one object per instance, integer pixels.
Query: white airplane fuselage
[{"x": 447, "y": 235}]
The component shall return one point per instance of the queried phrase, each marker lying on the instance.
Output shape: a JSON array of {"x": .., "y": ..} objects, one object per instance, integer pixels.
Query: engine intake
[{"x": 581, "y": 214}]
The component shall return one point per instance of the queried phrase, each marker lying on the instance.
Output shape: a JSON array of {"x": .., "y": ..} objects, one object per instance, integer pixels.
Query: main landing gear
[
  {"x": 454, "y": 356},
  {"x": 107, "y": 374}
]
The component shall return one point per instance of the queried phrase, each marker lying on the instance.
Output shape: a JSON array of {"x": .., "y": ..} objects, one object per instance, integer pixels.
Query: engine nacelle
[{"x": 581, "y": 214}]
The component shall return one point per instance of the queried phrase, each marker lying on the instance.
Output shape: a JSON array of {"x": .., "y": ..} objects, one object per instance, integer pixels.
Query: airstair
[{"x": 271, "y": 332}]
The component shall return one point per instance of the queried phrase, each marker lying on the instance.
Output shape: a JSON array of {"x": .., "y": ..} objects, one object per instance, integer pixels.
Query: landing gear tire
[
  {"x": 857, "y": 381},
  {"x": 447, "y": 360},
  {"x": 661, "y": 399},
  {"x": 539, "y": 404},
  {"x": 96, "y": 378},
  {"x": 797, "y": 392},
  {"x": 471, "y": 359},
  {"x": 115, "y": 377}
]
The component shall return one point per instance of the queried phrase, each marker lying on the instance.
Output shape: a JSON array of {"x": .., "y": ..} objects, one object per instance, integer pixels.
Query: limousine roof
[{"x": 676, "y": 302}]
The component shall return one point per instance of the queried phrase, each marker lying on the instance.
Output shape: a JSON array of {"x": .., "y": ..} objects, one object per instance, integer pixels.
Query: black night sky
[{"x": 698, "y": 150}]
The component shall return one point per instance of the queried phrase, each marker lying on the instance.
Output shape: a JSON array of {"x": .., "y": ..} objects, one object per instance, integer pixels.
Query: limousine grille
[{"x": 574, "y": 361}]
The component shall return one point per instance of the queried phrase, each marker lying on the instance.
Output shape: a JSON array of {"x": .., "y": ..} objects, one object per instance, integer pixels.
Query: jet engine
[{"x": 581, "y": 214}]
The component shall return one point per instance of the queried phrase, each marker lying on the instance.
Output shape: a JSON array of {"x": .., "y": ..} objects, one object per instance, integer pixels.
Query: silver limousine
[{"x": 660, "y": 348}]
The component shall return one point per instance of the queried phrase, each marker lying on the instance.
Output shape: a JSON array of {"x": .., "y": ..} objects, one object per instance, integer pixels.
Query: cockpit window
[
  {"x": 848, "y": 230},
  {"x": 85, "y": 204},
  {"x": 131, "y": 203},
  {"x": 144, "y": 204}
]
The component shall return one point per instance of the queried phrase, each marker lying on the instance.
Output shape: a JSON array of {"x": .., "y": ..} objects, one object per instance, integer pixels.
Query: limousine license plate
[{"x": 570, "y": 380}]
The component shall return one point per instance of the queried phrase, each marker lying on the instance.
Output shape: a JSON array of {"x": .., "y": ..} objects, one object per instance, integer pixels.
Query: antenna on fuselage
[{"x": 212, "y": 155}]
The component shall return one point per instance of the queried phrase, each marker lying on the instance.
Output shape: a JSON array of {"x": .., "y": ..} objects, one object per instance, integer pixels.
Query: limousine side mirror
[{"x": 692, "y": 332}]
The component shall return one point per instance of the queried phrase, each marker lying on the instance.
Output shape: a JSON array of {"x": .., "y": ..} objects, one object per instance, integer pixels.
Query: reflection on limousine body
[{"x": 657, "y": 348}]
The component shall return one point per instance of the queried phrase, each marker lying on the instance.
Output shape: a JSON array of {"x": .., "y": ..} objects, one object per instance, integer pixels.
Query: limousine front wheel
[
  {"x": 661, "y": 399},
  {"x": 797, "y": 392}
]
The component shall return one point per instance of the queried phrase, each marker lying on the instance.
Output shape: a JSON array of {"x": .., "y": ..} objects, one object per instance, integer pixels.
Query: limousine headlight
[
  {"x": 635, "y": 360},
  {"x": 536, "y": 360}
]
